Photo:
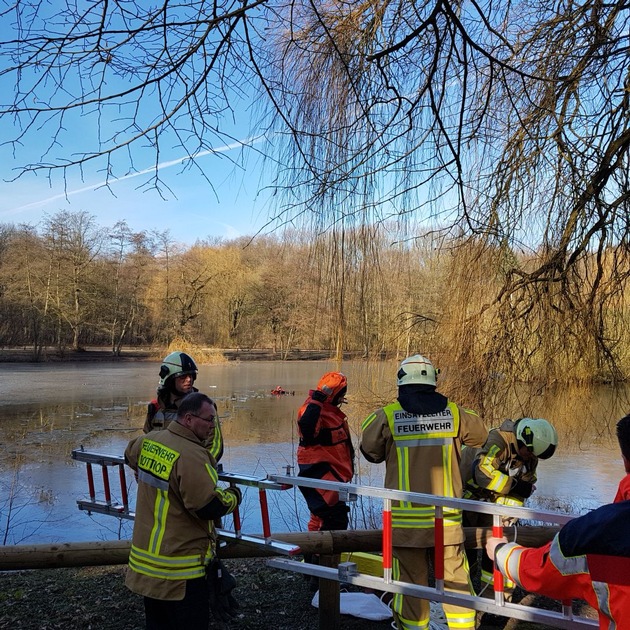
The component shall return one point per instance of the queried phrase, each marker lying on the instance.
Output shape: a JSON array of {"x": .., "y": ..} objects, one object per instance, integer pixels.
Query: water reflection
[{"x": 48, "y": 410}]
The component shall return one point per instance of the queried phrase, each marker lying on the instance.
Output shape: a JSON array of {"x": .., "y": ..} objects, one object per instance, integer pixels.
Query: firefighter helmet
[
  {"x": 334, "y": 385},
  {"x": 538, "y": 436},
  {"x": 417, "y": 370},
  {"x": 177, "y": 364}
]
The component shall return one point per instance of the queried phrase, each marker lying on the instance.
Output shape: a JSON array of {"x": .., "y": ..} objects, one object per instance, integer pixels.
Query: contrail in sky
[{"x": 159, "y": 167}]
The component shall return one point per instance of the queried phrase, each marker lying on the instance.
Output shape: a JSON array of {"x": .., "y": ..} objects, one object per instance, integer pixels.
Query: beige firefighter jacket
[
  {"x": 491, "y": 471},
  {"x": 163, "y": 410},
  {"x": 177, "y": 477},
  {"x": 422, "y": 454}
]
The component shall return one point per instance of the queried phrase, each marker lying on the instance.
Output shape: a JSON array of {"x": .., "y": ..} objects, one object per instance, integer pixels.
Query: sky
[
  {"x": 192, "y": 209},
  {"x": 235, "y": 202}
]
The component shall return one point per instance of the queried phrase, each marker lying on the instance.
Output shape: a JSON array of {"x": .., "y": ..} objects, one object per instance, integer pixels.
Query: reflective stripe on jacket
[
  {"x": 422, "y": 454},
  {"x": 494, "y": 469},
  {"x": 171, "y": 543},
  {"x": 572, "y": 565}
]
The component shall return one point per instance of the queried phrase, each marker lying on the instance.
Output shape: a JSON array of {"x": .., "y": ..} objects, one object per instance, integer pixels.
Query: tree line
[{"x": 70, "y": 283}]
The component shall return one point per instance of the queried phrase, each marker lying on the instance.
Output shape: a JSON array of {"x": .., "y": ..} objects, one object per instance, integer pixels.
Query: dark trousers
[{"x": 191, "y": 613}]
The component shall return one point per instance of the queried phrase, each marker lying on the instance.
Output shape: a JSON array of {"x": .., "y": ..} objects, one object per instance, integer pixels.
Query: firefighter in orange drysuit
[
  {"x": 588, "y": 559},
  {"x": 325, "y": 451}
]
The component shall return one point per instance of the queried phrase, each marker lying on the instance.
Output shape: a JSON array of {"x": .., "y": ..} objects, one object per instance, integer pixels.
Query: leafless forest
[{"x": 449, "y": 177}]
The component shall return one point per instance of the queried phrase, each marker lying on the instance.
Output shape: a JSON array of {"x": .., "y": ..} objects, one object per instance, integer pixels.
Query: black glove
[
  {"x": 319, "y": 396},
  {"x": 522, "y": 489},
  {"x": 220, "y": 587},
  {"x": 236, "y": 492}
]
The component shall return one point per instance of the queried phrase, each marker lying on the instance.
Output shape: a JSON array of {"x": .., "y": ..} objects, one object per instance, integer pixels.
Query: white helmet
[
  {"x": 177, "y": 364},
  {"x": 538, "y": 436},
  {"x": 417, "y": 370}
]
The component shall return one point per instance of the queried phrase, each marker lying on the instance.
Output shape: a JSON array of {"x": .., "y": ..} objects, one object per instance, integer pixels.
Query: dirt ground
[{"x": 96, "y": 599}]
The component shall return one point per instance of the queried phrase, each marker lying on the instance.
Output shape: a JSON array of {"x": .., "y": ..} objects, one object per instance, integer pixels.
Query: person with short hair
[
  {"x": 178, "y": 500},
  {"x": 420, "y": 438},
  {"x": 623, "y": 436}
]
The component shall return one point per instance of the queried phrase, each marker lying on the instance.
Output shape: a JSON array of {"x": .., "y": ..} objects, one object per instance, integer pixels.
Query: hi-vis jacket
[
  {"x": 178, "y": 498},
  {"x": 588, "y": 559},
  {"x": 489, "y": 473},
  {"x": 422, "y": 454},
  {"x": 163, "y": 410}
]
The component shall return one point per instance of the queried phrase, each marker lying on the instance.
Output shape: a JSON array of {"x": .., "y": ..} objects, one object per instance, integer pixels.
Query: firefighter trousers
[{"x": 411, "y": 565}]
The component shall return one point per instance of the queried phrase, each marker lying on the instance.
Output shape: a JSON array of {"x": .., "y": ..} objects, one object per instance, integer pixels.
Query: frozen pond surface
[{"x": 50, "y": 409}]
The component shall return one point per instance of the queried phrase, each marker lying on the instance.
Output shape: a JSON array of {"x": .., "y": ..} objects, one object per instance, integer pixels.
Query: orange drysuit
[{"x": 325, "y": 452}]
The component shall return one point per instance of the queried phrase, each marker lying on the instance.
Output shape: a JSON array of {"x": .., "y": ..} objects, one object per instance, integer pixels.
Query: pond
[{"x": 47, "y": 410}]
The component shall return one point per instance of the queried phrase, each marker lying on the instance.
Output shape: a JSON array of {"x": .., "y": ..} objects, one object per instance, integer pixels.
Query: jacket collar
[{"x": 182, "y": 431}]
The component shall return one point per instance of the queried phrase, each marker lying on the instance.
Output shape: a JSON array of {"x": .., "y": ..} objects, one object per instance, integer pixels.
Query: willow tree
[
  {"x": 502, "y": 122},
  {"x": 505, "y": 123}
]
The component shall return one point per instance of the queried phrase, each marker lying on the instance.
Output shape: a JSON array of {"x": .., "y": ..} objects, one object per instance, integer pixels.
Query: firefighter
[
  {"x": 420, "y": 437},
  {"x": 588, "y": 559},
  {"x": 174, "y": 538},
  {"x": 623, "y": 435},
  {"x": 325, "y": 451},
  {"x": 503, "y": 471},
  {"x": 178, "y": 373}
]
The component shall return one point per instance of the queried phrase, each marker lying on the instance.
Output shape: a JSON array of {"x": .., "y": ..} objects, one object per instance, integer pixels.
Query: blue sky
[
  {"x": 234, "y": 203},
  {"x": 191, "y": 209}
]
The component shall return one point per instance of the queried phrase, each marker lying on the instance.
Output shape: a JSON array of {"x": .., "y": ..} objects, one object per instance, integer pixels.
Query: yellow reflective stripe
[
  {"x": 164, "y": 561},
  {"x": 447, "y": 452},
  {"x": 227, "y": 498},
  {"x": 217, "y": 440},
  {"x": 426, "y": 520},
  {"x": 160, "y": 511},
  {"x": 368, "y": 421},
  {"x": 403, "y": 468},
  {"x": 422, "y": 524},
  {"x": 498, "y": 480},
  {"x": 166, "y": 567},
  {"x": 487, "y": 577},
  {"x": 167, "y": 574},
  {"x": 507, "y": 500},
  {"x": 460, "y": 619},
  {"x": 397, "y": 603},
  {"x": 214, "y": 475},
  {"x": 410, "y": 624}
]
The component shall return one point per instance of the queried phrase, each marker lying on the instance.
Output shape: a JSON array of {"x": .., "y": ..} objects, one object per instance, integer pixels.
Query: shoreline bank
[{"x": 101, "y": 354}]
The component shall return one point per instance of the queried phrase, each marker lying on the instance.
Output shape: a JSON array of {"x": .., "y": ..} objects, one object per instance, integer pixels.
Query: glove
[
  {"x": 220, "y": 587},
  {"x": 319, "y": 396},
  {"x": 236, "y": 492},
  {"x": 522, "y": 489}
]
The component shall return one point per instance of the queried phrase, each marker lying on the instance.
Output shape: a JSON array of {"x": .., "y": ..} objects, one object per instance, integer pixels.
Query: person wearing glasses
[
  {"x": 178, "y": 373},
  {"x": 178, "y": 500}
]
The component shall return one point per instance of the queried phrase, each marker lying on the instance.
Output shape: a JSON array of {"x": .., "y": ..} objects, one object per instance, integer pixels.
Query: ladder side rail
[
  {"x": 498, "y": 583},
  {"x": 388, "y": 549},
  {"x": 438, "y": 553},
  {"x": 514, "y": 611},
  {"x": 439, "y": 503},
  {"x": 430, "y": 499},
  {"x": 107, "y": 507}
]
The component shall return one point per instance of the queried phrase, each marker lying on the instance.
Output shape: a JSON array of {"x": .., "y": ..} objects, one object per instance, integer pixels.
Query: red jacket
[
  {"x": 588, "y": 559},
  {"x": 623, "y": 491},
  {"x": 325, "y": 439}
]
